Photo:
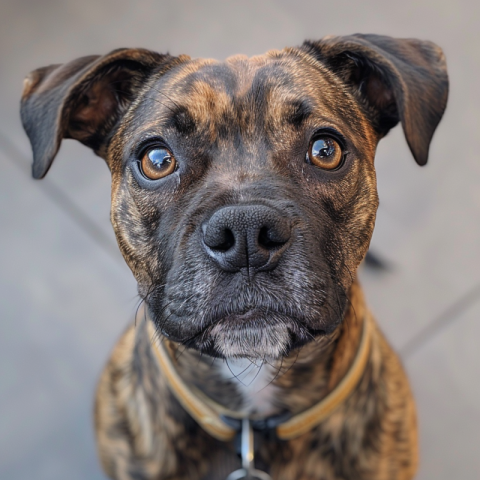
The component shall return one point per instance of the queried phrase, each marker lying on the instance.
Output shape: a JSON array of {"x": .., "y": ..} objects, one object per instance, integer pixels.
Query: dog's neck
[{"x": 269, "y": 387}]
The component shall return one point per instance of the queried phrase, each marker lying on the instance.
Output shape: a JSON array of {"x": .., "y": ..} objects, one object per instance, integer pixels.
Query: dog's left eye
[
  {"x": 157, "y": 163},
  {"x": 325, "y": 152}
]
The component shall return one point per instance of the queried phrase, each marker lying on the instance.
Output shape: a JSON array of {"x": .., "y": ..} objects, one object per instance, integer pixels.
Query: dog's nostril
[
  {"x": 224, "y": 241},
  {"x": 268, "y": 240}
]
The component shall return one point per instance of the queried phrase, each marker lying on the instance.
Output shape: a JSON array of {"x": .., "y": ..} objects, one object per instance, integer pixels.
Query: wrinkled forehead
[{"x": 253, "y": 95}]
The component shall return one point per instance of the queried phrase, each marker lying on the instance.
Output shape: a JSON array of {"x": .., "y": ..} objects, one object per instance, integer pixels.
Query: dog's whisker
[
  {"x": 275, "y": 377},
  {"x": 240, "y": 373},
  {"x": 258, "y": 372},
  {"x": 237, "y": 377},
  {"x": 165, "y": 95},
  {"x": 181, "y": 352}
]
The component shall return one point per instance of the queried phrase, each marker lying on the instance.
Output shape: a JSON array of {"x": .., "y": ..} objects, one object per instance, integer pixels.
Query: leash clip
[{"x": 248, "y": 471}]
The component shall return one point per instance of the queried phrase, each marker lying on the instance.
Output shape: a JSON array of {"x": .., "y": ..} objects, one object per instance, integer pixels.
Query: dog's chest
[{"x": 253, "y": 382}]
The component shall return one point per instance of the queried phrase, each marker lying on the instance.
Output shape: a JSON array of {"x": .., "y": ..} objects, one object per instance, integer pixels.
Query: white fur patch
[{"x": 254, "y": 383}]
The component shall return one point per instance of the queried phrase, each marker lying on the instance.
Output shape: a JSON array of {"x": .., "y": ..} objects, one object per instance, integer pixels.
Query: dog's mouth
[
  {"x": 265, "y": 318},
  {"x": 256, "y": 333}
]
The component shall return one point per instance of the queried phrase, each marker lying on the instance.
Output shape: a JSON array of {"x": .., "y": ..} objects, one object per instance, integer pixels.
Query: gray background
[{"x": 66, "y": 294}]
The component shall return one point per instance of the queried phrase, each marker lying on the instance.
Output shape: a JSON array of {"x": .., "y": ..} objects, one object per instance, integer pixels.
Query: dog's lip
[
  {"x": 224, "y": 321},
  {"x": 247, "y": 317},
  {"x": 299, "y": 332},
  {"x": 247, "y": 320},
  {"x": 243, "y": 316},
  {"x": 252, "y": 318}
]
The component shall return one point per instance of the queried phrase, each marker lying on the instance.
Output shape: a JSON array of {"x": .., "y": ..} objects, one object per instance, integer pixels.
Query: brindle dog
[{"x": 244, "y": 199}]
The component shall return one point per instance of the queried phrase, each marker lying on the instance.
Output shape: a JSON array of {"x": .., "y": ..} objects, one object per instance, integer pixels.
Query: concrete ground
[{"x": 66, "y": 294}]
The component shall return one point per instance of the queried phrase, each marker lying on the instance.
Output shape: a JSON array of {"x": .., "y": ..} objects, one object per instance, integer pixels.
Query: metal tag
[{"x": 248, "y": 471}]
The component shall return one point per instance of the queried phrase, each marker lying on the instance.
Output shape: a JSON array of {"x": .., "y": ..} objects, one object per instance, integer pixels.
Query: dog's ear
[
  {"x": 395, "y": 79},
  {"x": 83, "y": 99}
]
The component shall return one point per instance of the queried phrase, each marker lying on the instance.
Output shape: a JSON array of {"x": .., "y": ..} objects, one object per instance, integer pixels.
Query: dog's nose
[{"x": 246, "y": 236}]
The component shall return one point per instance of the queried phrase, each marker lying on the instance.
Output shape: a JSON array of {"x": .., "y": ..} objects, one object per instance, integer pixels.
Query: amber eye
[
  {"x": 157, "y": 163},
  {"x": 325, "y": 152}
]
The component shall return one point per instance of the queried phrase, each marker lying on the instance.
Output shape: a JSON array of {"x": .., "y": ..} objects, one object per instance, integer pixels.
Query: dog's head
[{"x": 244, "y": 193}]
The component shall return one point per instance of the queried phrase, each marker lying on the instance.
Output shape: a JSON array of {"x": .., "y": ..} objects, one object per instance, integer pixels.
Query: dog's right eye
[{"x": 157, "y": 163}]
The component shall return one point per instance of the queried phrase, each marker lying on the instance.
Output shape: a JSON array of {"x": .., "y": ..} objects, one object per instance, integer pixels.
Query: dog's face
[
  {"x": 244, "y": 193},
  {"x": 243, "y": 245}
]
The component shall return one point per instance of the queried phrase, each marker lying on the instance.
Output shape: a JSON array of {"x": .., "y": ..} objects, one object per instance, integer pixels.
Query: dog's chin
[
  {"x": 251, "y": 341},
  {"x": 254, "y": 337}
]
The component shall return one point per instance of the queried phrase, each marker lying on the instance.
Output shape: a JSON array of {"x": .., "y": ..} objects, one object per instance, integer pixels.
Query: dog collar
[{"x": 210, "y": 415}]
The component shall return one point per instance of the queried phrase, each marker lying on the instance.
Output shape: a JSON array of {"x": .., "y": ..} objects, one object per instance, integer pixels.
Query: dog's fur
[{"x": 240, "y": 130}]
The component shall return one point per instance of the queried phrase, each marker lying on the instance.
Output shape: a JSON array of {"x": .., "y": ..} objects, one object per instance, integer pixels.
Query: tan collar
[{"x": 207, "y": 413}]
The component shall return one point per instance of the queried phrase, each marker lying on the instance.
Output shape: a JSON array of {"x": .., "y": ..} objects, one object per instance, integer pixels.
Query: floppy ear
[
  {"x": 83, "y": 99},
  {"x": 395, "y": 79}
]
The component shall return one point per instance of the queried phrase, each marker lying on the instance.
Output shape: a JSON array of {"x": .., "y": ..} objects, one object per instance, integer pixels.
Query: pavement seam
[{"x": 439, "y": 323}]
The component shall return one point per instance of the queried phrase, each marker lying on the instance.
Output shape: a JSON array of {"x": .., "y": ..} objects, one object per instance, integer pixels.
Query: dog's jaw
[{"x": 255, "y": 335}]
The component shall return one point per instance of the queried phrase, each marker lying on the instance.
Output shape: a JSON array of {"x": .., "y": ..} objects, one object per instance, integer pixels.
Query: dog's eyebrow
[
  {"x": 181, "y": 120},
  {"x": 296, "y": 112}
]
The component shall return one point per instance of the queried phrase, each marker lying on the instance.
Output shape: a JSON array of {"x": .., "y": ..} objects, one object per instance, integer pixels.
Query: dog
[{"x": 243, "y": 200}]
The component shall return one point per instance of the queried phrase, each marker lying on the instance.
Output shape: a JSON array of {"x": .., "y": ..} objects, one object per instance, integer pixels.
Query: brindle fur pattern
[
  {"x": 143, "y": 431},
  {"x": 240, "y": 130}
]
